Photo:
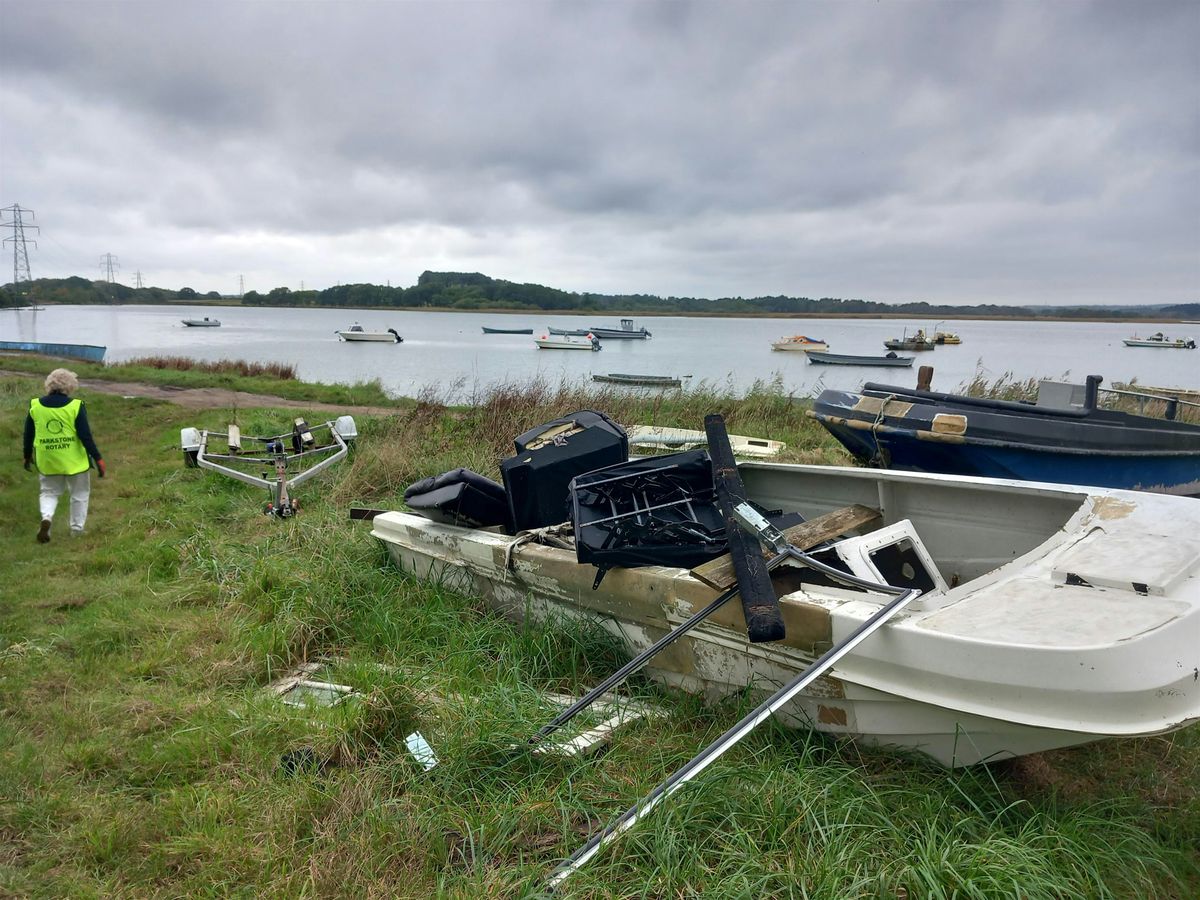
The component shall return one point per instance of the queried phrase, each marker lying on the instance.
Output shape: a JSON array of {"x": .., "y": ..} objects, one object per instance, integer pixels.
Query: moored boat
[
  {"x": 917, "y": 341},
  {"x": 800, "y": 342},
  {"x": 639, "y": 380},
  {"x": 567, "y": 342},
  {"x": 206, "y": 322},
  {"x": 1049, "y": 617},
  {"x": 487, "y": 330},
  {"x": 357, "y": 333},
  {"x": 845, "y": 359},
  {"x": 946, "y": 337},
  {"x": 1159, "y": 340},
  {"x": 625, "y": 333},
  {"x": 1066, "y": 437}
]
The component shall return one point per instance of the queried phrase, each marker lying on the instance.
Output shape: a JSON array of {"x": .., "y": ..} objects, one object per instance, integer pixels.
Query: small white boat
[
  {"x": 566, "y": 342},
  {"x": 655, "y": 437},
  {"x": 1159, "y": 340},
  {"x": 206, "y": 322},
  {"x": 1050, "y": 616},
  {"x": 799, "y": 342},
  {"x": 357, "y": 333}
]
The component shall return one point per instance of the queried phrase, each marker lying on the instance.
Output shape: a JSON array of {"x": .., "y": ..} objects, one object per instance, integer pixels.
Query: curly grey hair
[{"x": 62, "y": 381}]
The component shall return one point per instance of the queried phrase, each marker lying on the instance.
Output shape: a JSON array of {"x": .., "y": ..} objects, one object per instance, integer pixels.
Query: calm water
[{"x": 448, "y": 351}]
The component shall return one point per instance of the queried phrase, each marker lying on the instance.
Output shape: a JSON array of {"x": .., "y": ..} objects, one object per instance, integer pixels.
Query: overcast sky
[{"x": 971, "y": 152}]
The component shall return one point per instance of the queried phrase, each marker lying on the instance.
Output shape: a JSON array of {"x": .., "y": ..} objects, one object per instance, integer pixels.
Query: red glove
[{"x": 101, "y": 468}]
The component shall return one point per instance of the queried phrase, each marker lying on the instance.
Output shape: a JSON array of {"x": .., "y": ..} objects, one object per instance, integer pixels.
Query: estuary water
[{"x": 448, "y": 353}]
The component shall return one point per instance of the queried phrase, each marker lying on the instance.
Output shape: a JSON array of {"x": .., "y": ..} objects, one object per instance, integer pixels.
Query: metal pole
[{"x": 715, "y": 750}]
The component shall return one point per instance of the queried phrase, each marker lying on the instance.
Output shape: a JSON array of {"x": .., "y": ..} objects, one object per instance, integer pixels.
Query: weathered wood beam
[{"x": 719, "y": 573}]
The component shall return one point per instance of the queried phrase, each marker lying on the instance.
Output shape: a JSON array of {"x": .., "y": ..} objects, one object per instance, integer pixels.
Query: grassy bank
[
  {"x": 228, "y": 374},
  {"x": 140, "y": 757}
]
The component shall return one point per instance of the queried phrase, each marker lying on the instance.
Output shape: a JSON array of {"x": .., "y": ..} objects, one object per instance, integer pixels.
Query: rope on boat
[
  {"x": 551, "y": 536},
  {"x": 877, "y": 459}
]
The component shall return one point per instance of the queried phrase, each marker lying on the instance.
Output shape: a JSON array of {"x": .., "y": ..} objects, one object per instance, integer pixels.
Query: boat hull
[
  {"x": 638, "y": 380},
  {"x": 562, "y": 343},
  {"x": 801, "y": 346},
  {"x": 1112, "y": 450},
  {"x": 85, "y": 352},
  {"x": 1165, "y": 345},
  {"x": 487, "y": 330},
  {"x": 377, "y": 337},
  {"x": 1015, "y": 660},
  {"x": 843, "y": 359}
]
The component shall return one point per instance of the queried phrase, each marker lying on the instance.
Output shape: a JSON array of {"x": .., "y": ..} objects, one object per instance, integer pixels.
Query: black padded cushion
[{"x": 459, "y": 497}]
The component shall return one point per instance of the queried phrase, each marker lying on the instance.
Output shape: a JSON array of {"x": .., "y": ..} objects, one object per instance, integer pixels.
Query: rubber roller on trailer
[{"x": 764, "y": 620}]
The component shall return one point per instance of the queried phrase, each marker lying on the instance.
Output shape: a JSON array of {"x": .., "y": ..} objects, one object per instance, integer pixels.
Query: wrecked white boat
[{"x": 1050, "y": 616}]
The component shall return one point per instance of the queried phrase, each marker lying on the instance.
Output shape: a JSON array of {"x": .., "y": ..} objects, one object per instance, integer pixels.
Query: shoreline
[{"x": 644, "y": 314}]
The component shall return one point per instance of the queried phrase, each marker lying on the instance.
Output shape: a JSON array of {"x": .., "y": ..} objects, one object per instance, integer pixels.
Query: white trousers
[{"x": 78, "y": 486}]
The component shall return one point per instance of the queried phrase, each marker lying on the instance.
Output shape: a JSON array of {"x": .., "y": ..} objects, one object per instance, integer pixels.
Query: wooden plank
[
  {"x": 764, "y": 621},
  {"x": 719, "y": 573}
]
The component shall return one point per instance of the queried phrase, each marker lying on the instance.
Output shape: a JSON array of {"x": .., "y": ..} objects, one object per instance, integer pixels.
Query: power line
[{"x": 20, "y": 250}]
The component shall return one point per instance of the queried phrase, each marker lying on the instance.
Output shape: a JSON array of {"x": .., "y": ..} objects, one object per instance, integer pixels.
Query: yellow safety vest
[{"x": 56, "y": 446}]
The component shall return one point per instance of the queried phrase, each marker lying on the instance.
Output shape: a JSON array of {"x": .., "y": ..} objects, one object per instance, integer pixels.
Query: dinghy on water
[
  {"x": 206, "y": 322},
  {"x": 567, "y": 342},
  {"x": 1048, "y": 616}
]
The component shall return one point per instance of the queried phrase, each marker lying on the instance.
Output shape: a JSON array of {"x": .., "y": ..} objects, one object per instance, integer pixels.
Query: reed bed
[{"x": 281, "y": 371}]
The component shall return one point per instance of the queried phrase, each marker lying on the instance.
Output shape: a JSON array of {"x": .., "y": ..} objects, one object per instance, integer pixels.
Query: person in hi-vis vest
[{"x": 59, "y": 442}]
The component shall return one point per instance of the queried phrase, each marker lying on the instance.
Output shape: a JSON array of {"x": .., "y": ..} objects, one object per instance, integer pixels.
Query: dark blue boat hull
[
  {"x": 911, "y": 453},
  {"x": 956, "y": 436}
]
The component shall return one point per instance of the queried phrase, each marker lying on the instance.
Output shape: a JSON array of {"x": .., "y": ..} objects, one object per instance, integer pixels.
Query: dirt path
[{"x": 215, "y": 398}]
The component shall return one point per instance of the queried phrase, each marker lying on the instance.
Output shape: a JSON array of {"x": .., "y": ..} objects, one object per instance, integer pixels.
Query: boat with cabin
[
  {"x": 917, "y": 341},
  {"x": 357, "y": 333},
  {"x": 1049, "y": 616},
  {"x": 1158, "y": 339},
  {"x": 800, "y": 342},
  {"x": 846, "y": 359},
  {"x": 206, "y": 322},
  {"x": 1065, "y": 437}
]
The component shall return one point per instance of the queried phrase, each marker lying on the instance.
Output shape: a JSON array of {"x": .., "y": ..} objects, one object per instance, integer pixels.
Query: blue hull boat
[
  {"x": 85, "y": 352},
  {"x": 924, "y": 431}
]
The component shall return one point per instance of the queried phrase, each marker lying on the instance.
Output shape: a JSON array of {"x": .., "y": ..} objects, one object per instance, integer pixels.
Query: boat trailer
[{"x": 279, "y": 451}]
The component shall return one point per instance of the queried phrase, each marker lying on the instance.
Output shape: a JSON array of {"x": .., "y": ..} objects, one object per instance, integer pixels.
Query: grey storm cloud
[{"x": 959, "y": 151}]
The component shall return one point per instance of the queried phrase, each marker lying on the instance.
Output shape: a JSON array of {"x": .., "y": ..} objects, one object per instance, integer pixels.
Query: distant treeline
[{"x": 472, "y": 290}]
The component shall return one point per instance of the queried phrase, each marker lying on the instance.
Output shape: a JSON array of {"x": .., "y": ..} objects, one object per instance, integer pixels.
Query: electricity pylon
[
  {"x": 12, "y": 217},
  {"x": 109, "y": 263}
]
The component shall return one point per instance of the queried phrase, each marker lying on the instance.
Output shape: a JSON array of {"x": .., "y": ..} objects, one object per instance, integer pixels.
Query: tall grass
[
  {"x": 282, "y": 371},
  {"x": 140, "y": 756},
  {"x": 435, "y": 436}
]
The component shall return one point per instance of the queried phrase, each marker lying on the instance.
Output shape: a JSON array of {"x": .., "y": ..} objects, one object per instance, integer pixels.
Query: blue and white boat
[{"x": 1066, "y": 437}]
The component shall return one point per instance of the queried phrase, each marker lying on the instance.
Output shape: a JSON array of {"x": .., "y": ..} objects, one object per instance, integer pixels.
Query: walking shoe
[{"x": 44, "y": 532}]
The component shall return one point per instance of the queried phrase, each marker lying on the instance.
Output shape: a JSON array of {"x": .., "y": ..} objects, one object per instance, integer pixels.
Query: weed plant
[{"x": 141, "y": 756}]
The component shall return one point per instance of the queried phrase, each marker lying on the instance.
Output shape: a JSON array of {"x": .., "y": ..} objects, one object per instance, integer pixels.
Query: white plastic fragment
[{"x": 421, "y": 751}]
